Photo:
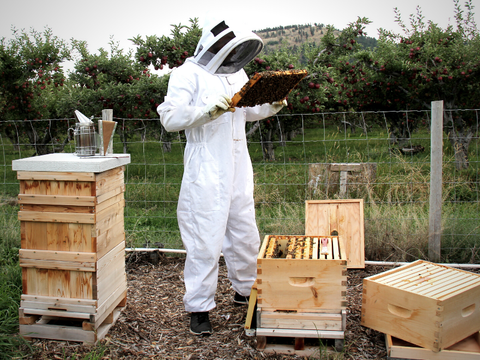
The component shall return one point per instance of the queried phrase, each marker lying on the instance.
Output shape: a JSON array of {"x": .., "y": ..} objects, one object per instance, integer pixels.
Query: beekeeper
[{"x": 215, "y": 207}]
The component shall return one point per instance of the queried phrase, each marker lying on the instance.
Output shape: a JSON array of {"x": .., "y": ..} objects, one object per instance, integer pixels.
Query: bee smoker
[{"x": 85, "y": 139}]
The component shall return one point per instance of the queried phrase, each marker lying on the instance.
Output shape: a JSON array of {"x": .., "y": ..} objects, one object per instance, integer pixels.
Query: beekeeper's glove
[
  {"x": 218, "y": 106},
  {"x": 278, "y": 105}
]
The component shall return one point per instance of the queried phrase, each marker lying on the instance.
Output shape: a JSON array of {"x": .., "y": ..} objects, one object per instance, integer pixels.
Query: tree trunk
[
  {"x": 11, "y": 132},
  {"x": 267, "y": 147},
  {"x": 460, "y": 141},
  {"x": 460, "y": 134},
  {"x": 167, "y": 146}
]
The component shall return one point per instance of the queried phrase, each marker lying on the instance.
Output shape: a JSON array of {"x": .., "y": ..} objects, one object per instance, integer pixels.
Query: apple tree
[
  {"x": 274, "y": 130},
  {"x": 31, "y": 78},
  {"x": 113, "y": 80},
  {"x": 159, "y": 53},
  {"x": 407, "y": 71}
]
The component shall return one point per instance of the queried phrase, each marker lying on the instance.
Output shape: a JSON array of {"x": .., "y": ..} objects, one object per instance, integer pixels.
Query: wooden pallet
[
  {"x": 300, "y": 346},
  {"x": 280, "y": 327},
  {"x": 69, "y": 328}
]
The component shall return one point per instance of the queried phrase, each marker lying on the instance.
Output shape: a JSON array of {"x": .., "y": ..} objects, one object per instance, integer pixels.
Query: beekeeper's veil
[{"x": 223, "y": 50}]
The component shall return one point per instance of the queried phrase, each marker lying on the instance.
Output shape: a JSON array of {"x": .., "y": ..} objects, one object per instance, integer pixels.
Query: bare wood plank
[
  {"x": 56, "y": 200},
  {"x": 57, "y": 208},
  {"x": 435, "y": 214},
  {"x": 108, "y": 217},
  {"x": 26, "y": 319},
  {"x": 58, "y": 265},
  {"x": 415, "y": 281},
  {"x": 56, "y": 217},
  {"x": 58, "y": 313},
  {"x": 35, "y": 235},
  {"x": 60, "y": 176},
  {"x": 330, "y": 249},
  {"x": 81, "y": 237},
  {"x": 113, "y": 205},
  {"x": 315, "y": 249},
  {"x": 403, "y": 272},
  {"x": 58, "y": 332},
  {"x": 104, "y": 263},
  {"x": 109, "y": 180},
  {"x": 109, "y": 306},
  {"x": 111, "y": 237},
  {"x": 81, "y": 285},
  {"x": 111, "y": 193},
  {"x": 463, "y": 286},
  {"x": 322, "y": 334},
  {"x": 346, "y": 167},
  {"x": 467, "y": 349},
  {"x": 59, "y": 300},
  {"x": 105, "y": 327},
  {"x": 342, "y": 248},
  {"x": 64, "y": 304},
  {"x": 426, "y": 283},
  {"x": 440, "y": 283},
  {"x": 335, "y": 249},
  {"x": 67, "y": 188}
]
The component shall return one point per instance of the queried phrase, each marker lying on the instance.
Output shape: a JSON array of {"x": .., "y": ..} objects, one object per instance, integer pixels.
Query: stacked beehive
[
  {"x": 301, "y": 288},
  {"x": 72, "y": 253},
  {"x": 428, "y": 305}
]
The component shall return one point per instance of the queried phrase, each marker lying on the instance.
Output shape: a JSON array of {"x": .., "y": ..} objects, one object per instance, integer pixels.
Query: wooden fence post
[{"x": 436, "y": 157}]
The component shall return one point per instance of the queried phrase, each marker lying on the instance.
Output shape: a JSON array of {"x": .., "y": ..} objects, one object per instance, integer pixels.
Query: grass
[{"x": 396, "y": 200}]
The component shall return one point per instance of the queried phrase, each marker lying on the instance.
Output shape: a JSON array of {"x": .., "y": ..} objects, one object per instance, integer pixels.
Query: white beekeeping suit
[{"x": 215, "y": 207}]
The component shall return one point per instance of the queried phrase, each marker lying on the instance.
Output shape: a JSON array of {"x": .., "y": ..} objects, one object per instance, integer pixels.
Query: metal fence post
[{"x": 435, "y": 215}]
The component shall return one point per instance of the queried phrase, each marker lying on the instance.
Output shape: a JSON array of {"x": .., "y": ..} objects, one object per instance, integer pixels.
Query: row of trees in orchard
[{"x": 405, "y": 71}]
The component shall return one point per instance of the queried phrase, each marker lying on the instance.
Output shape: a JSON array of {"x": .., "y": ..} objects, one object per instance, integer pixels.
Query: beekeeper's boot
[
  {"x": 240, "y": 299},
  {"x": 200, "y": 324}
]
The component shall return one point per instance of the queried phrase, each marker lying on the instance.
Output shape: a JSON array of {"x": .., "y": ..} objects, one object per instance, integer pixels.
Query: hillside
[{"x": 296, "y": 35}]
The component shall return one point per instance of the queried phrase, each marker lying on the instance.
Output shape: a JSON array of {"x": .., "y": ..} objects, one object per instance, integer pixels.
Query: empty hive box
[
  {"x": 299, "y": 273},
  {"x": 467, "y": 349},
  {"x": 343, "y": 218},
  {"x": 72, "y": 249},
  {"x": 429, "y": 305}
]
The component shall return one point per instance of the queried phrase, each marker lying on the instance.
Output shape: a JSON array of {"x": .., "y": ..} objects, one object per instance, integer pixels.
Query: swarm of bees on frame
[{"x": 270, "y": 87}]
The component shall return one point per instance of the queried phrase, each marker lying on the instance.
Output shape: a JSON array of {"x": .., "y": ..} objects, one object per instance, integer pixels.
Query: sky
[{"x": 98, "y": 21}]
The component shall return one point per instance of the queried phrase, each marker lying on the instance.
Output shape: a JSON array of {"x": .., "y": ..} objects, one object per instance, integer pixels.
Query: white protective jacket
[{"x": 215, "y": 207}]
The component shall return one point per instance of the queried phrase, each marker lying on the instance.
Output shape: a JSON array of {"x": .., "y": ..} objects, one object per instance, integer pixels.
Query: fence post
[{"x": 436, "y": 157}]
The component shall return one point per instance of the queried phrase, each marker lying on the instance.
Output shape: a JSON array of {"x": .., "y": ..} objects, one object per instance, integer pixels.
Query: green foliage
[
  {"x": 10, "y": 282},
  {"x": 31, "y": 78},
  {"x": 171, "y": 51}
]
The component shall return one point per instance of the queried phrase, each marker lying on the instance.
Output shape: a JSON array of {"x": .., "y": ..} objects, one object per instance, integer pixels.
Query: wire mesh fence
[{"x": 295, "y": 158}]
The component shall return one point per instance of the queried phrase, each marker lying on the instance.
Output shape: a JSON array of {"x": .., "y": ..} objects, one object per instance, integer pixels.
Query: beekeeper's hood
[{"x": 223, "y": 50}]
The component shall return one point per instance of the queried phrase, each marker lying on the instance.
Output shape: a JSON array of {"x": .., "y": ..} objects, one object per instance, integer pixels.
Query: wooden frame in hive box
[
  {"x": 429, "y": 305},
  {"x": 72, "y": 251},
  {"x": 344, "y": 218}
]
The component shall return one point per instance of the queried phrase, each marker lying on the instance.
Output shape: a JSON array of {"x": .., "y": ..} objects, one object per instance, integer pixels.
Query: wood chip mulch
[{"x": 154, "y": 324}]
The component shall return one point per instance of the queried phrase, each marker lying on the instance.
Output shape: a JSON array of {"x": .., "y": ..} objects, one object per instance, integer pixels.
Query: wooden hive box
[
  {"x": 429, "y": 305},
  {"x": 340, "y": 217},
  {"x": 72, "y": 250},
  {"x": 467, "y": 349},
  {"x": 305, "y": 284}
]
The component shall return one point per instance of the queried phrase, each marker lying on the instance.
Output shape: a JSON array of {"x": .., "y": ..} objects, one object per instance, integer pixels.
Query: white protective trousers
[{"x": 215, "y": 208}]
